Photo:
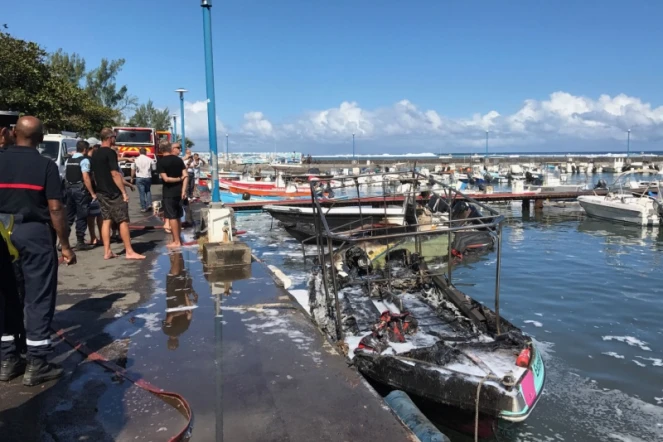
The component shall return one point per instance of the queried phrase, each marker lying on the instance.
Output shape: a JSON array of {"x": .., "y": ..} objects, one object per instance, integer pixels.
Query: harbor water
[{"x": 588, "y": 291}]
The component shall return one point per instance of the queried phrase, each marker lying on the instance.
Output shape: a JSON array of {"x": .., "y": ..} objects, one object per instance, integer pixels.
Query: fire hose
[
  {"x": 174, "y": 399},
  {"x": 171, "y": 398}
]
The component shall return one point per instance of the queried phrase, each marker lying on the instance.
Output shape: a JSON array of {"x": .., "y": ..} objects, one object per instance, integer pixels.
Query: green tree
[
  {"x": 70, "y": 67},
  {"x": 101, "y": 84},
  {"x": 147, "y": 115},
  {"x": 28, "y": 85},
  {"x": 189, "y": 143}
]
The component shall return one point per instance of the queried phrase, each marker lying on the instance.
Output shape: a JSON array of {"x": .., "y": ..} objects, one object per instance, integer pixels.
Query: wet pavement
[
  {"x": 282, "y": 381},
  {"x": 172, "y": 322}
]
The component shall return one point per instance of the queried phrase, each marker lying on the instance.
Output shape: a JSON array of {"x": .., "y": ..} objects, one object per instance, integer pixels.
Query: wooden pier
[{"x": 378, "y": 201}]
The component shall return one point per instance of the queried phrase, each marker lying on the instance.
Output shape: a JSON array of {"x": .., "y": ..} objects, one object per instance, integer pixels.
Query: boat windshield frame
[
  {"x": 620, "y": 183},
  {"x": 414, "y": 189}
]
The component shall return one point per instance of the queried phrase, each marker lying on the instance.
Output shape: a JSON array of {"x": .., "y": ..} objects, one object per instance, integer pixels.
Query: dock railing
[{"x": 451, "y": 215}]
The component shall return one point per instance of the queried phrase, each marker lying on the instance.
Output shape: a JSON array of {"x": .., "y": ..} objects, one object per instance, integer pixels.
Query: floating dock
[{"x": 378, "y": 201}]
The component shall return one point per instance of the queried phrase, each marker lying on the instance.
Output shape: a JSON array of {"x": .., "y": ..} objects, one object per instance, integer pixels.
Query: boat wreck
[{"x": 395, "y": 312}]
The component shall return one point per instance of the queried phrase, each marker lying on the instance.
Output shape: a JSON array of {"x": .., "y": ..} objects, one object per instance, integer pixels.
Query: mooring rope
[{"x": 476, "y": 415}]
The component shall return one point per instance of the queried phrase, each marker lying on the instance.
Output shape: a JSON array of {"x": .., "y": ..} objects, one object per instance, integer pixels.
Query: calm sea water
[{"x": 590, "y": 292}]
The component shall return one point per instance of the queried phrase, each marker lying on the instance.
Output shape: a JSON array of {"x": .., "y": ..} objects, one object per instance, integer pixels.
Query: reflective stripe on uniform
[
  {"x": 7, "y": 338},
  {"x": 37, "y": 343}
]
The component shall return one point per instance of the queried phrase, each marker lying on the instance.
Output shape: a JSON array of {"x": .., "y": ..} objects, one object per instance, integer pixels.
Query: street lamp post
[
  {"x": 227, "y": 155},
  {"x": 486, "y": 144},
  {"x": 628, "y": 143},
  {"x": 211, "y": 104},
  {"x": 181, "y": 92},
  {"x": 174, "y": 127},
  {"x": 353, "y": 145}
]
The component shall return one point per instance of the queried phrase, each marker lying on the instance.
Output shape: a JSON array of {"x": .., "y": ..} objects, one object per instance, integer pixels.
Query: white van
[{"x": 58, "y": 147}]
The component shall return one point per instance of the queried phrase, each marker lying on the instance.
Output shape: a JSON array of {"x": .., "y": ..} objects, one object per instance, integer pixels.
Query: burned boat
[{"x": 403, "y": 323}]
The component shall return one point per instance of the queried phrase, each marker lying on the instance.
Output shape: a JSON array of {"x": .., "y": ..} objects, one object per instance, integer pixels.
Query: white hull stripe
[
  {"x": 7, "y": 338},
  {"x": 38, "y": 343}
]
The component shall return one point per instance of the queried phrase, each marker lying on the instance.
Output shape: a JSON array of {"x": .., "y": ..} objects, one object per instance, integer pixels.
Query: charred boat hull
[{"x": 457, "y": 345}]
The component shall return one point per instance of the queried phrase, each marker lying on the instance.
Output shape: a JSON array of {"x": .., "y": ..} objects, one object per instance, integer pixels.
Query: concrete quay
[{"x": 250, "y": 363}]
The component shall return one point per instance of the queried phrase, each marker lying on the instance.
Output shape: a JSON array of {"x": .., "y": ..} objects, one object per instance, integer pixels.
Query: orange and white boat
[{"x": 289, "y": 190}]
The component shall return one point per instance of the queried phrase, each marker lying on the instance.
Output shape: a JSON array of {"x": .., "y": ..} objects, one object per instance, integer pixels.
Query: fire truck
[{"x": 129, "y": 141}]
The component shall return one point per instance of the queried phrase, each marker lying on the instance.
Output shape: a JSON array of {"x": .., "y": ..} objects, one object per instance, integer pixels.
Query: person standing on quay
[
  {"x": 31, "y": 191},
  {"x": 113, "y": 199},
  {"x": 172, "y": 171},
  {"x": 79, "y": 192},
  {"x": 94, "y": 220},
  {"x": 193, "y": 169},
  {"x": 144, "y": 166}
]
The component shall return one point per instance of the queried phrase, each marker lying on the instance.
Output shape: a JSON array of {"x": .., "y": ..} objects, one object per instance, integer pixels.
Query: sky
[{"x": 420, "y": 76}]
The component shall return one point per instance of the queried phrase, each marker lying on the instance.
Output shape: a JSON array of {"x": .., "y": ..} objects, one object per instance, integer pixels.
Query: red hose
[{"x": 174, "y": 399}]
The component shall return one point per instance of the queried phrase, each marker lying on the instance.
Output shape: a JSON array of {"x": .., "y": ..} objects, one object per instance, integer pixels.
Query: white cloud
[
  {"x": 195, "y": 121},
  {"x": 255, "y": 124},
  {"x": 561, "y": 117}
]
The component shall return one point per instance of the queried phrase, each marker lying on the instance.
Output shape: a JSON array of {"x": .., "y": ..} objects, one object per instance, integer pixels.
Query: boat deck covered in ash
[{"x": 405, "y": 325}]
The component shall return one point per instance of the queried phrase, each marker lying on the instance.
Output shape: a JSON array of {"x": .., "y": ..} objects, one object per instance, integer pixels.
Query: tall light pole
[
  {"x": 227, "y": 155},
  {"x": 628, "y": 143},
  {"x": 174, "y": 127},
  {"x": 181, "y": 92},
  {"x": 211, "y": 97},
  {"x": 353, "y": 145},
  {"x": 486, "y": 144}
]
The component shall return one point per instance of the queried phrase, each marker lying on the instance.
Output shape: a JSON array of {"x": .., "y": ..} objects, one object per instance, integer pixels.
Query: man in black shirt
[
  {"x": 173, "y": 173},
  {"x": 31, "y": 192},
  {"x": 112, "y": 197}
]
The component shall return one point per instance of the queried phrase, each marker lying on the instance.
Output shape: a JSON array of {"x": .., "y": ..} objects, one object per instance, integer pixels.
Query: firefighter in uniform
[
  {"x": 31, "y": 195},
  {"x": 79, "y": 192},
  {"x": 9, "y": 301}
]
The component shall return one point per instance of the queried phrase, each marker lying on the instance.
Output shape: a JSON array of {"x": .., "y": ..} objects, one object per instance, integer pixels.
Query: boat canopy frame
[{"x": 414, "y": 188}]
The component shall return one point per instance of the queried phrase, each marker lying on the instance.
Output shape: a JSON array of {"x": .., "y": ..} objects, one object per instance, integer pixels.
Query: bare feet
[
  {"x": 110, "y": 255},
  {"x": 134, "y": 255},
  {"x": 173, "y": 245}
]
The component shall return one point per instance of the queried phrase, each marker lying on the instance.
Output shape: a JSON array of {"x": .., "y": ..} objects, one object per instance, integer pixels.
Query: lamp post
[
  {"x": 174, "y": 127},
  {"x": 486, "y": 144},
  {"x": 353, "y": 145},
  {"x": 628, "y": 143},
  {"x": 211, "y": 104},
  {"x": 181, "y": 92},
  {"x": 227, "y": 155}
]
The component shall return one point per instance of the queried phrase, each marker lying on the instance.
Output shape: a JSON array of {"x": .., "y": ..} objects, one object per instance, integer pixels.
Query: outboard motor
[
  {"x": 356, "y": 258},
  {"x": 437, "y": 204},
  {"x": 329, "y": 191},
  {"x": 460, "y": 210},
  {"x": 602, "y": 184}
]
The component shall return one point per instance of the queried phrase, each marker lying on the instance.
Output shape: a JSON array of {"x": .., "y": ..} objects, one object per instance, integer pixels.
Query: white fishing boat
[
  {"x": 555, "y": 184},
  {"x": 622, "y": 206}
]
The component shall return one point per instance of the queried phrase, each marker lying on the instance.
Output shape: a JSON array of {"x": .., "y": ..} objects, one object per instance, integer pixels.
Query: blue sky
[{"x": 405, "y": 76}]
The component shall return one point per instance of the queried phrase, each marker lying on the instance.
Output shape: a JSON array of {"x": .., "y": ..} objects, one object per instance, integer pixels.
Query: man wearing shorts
[
  {"x": 172, "y": 171},
  {"x": 113, "y": 199}
]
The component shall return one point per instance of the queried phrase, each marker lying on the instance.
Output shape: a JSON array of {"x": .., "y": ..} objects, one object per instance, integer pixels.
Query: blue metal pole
[
  {"x": 486, "y": 144},
  {"x": 227, "y": 155},
  {"x": 211, "y": 105},
  {"x": 182, "y": 118},
  {"x": 628, "y": 144},
  {"x": 353, "y": 146},
  {"x": 174, "y": 128}
]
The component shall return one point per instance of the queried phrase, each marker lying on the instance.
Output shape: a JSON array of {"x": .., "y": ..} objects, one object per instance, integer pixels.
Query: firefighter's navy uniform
[{"x": 27, "y": 181}]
